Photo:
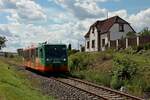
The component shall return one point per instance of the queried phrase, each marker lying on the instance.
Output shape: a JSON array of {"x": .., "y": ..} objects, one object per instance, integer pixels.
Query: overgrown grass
[
  {"x": 92, "y": 66},
  {"x": 15, "y": 86},
  {"x": 101, "y": 68}
]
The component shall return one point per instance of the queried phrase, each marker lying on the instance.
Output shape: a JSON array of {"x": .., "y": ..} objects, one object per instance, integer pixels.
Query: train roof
[{"x": 40, "y": 45}]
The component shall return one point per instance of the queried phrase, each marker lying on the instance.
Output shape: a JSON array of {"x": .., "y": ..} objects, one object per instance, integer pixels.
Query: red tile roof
[{"x": 104, "y": 25}]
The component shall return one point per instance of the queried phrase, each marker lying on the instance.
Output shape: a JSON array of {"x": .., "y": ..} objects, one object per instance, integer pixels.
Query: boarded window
[
  {"x": 93, "y": 43},
  {"x": 121, "y": 28},
  {"x": 88, "y": 44}
]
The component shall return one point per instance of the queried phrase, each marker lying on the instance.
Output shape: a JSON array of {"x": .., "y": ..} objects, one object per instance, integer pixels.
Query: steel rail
[
  {"x": 107, "y": 89},
  {"x": 101, "y": 97}
]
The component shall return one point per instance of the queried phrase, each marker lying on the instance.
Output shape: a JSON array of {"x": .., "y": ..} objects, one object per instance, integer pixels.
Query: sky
[{"x": 29, "y": 22}]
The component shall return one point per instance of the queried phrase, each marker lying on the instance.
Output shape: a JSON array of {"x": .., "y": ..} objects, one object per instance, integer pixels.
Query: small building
[{"x": 102, "y": 31}]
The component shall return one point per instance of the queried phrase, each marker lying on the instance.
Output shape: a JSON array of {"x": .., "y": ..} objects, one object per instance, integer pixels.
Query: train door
[{"x": 41, "y": 55}]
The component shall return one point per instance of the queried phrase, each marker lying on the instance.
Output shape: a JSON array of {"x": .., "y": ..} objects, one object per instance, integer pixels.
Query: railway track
[{"x": 96, "y": 92}]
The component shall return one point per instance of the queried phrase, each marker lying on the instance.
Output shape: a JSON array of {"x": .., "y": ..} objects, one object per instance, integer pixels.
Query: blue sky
[
  {"x": 132, "y": 6},
  {"x": 26, "y": 22}
]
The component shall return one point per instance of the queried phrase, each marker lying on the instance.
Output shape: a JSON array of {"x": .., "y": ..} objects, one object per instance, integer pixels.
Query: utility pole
[{"x": 107, "y": 15}]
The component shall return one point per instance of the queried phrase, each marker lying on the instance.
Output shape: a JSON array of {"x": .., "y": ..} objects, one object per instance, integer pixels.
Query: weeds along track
[{"x": 95, "y": 91}]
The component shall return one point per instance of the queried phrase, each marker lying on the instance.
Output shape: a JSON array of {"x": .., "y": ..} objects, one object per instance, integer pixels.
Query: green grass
[
  {"x": 15, "y": 86},
  {"x": 99, "y": 67},
  {"x": 95, "y": 67}
]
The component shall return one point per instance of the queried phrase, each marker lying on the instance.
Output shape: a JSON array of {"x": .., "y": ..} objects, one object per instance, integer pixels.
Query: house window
[
  {"x": 93, "y": 31},
  {"x": 93, "y": 43},
  {"x": 103, "y": 42},
  {"x": 121, "y": 28},
  {"x": 88, "y": 45}
]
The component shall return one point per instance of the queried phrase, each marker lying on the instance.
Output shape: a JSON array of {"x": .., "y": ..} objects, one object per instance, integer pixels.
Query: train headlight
[
  {"x": 64, "y": 59},
  {"x": 47, "y": 59}
]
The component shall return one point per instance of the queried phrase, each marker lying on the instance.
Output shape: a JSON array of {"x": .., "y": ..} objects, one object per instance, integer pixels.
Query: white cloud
[
  {"x": 23, "y": 10},
  {"x": 122, "y": 13},
  {"x": 5, "y": 31},
  {"x": 141, "y": 19},
  {"x": 82, "y": 9}
]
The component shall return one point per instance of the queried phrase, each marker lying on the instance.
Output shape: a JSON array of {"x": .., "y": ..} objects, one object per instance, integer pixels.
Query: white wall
[
  {"x": 92, "y": 36},
  {"x": 115, "y": 34},
  {"x": 104, "y": 36},
  {"x": 86, "y": 40}
]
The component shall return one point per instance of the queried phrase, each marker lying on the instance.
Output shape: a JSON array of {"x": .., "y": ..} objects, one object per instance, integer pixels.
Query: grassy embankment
[
  {"x": 129, "y": 68},
  {"x": 14, "y": 84}
]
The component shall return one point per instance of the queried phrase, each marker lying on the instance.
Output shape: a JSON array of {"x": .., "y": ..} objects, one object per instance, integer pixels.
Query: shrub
[
  {"x": 71, "y": 52},
  {"x": 147, "y": 46},
  {"x": 78, "y": 61},
  {"x": 124, "y": 69},
  {"x": 84, "y": 60},
  {"x": 6, "y": 54},
  {"x": 11, "y": 56},
  {"x": 129, "y": 50},
  {"x": 142, "y": 47},
  {"x": 116, "y": 83}
]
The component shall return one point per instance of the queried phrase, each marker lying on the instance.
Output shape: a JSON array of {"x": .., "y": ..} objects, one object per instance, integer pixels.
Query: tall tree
[
  {"x": 69, "y": 47},
  {"x": 2, "y": 42}
]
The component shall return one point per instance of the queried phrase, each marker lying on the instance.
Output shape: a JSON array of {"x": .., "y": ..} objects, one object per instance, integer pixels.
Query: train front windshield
[{"x": 56, "y": 52}]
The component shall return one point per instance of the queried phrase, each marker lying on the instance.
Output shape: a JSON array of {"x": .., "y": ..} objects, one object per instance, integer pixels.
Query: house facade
[{"x": 101, "y": 32}]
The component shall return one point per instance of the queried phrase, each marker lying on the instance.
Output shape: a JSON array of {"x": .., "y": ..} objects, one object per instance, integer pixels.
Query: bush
[
  {"x": 78, "y": 61},
  {"x": 84, "y": 60},
  {"x": 116, "y": 83},
  {"x": 6, "y": 54},
  {"x": 147, "y": 46},
  {"x": 129, "y": 50},
  {"x": 73, "y": 51},
  {"x": 11, "y": 56},
  {"x": 142, "y": 47},
  {"x": 124, "y": 69}
]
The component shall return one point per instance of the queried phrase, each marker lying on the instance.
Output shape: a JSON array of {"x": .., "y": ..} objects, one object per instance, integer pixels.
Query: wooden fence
[{"x": 129, "y": 42}]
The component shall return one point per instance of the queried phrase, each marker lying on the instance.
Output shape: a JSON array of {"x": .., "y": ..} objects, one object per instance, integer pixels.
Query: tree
[
  {"x": 69, "y": 47},
  {"x": 145, "y": 31},
  {"x": 130, "y": 34},
  {"x": 2, "y": 42}
]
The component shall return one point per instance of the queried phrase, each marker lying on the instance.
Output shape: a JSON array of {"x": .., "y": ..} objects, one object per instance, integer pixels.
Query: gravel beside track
[{"x": 104, "y": 92}]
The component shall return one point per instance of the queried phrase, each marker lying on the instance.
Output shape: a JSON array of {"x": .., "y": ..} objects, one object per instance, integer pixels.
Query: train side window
[
  {"x": 27, "y": 55},
  {"x": 41, "y": 53},
  {"x": 36, "y": 52}
]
